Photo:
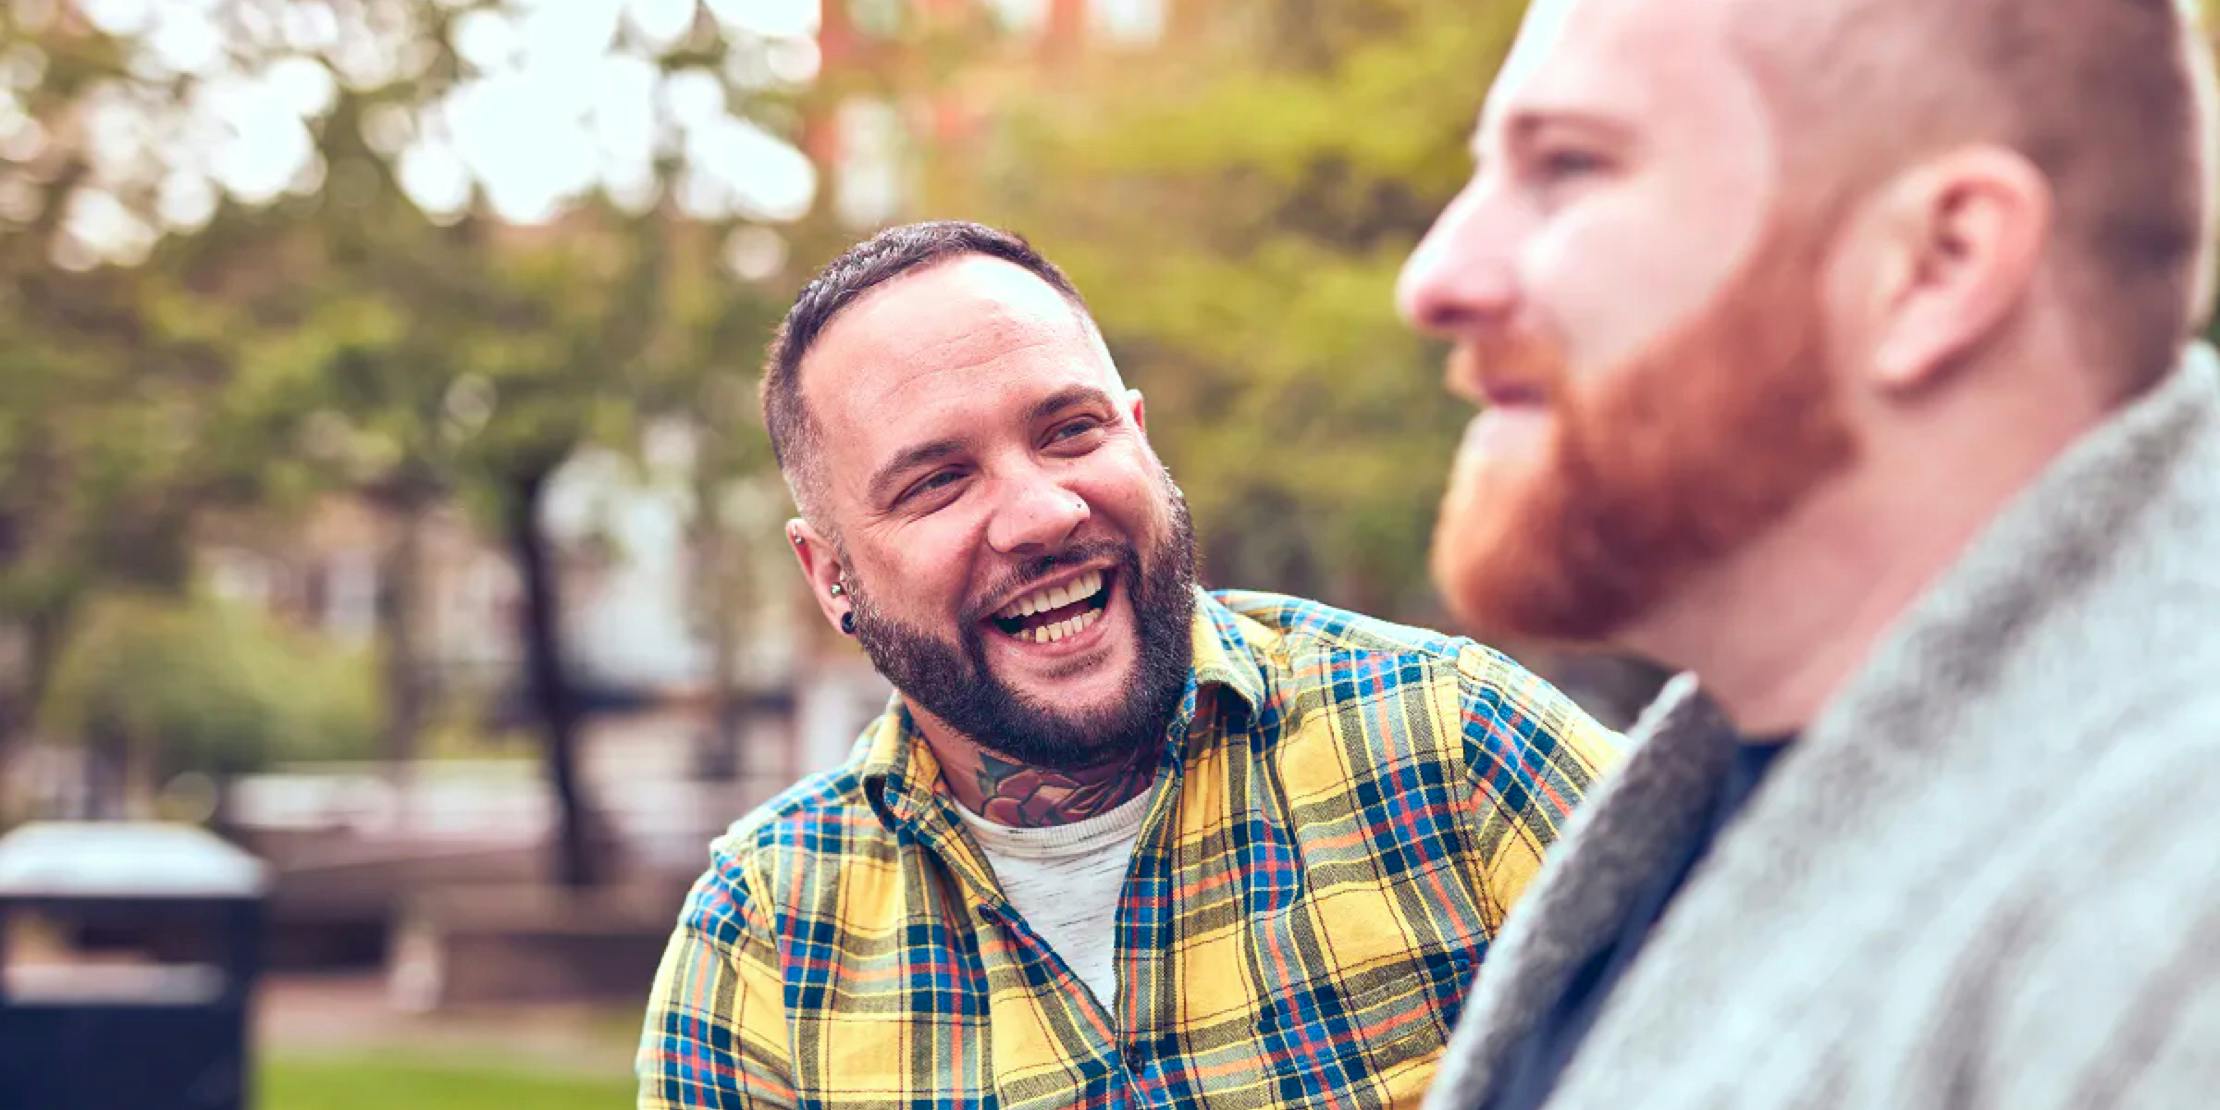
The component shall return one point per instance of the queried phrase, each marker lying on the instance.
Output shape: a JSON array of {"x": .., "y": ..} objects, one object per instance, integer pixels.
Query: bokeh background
[{"x": 381, "y": 480}]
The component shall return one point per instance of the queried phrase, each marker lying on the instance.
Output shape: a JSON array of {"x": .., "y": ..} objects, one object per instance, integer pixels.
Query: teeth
[
  {"x": 1051, "y": 633},
  {"x": 1055, "y": 597}
]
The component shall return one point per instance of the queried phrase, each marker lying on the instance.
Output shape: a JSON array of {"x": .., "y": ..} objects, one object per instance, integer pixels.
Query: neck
[
  {"x": 1776, "y": 630},
  {"x": 1007, "y": 792}
]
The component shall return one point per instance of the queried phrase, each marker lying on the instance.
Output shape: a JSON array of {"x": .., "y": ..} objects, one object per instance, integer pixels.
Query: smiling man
[
  {"x": 1833, "y": 351},
  {"x": 1117, "y": 843}
]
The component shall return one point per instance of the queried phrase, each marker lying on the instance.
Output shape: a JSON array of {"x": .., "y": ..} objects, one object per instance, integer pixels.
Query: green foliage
[
  {"x": 208, "y": 687},
  {"x": 374, "y": 1081},
  {"x": 1236, "y": 206}
]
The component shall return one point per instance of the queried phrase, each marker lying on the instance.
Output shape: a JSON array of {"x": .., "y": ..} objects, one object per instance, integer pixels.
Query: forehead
[
  {"x": 1664, "y": 65},
  {"x": 945, "y": 351}
]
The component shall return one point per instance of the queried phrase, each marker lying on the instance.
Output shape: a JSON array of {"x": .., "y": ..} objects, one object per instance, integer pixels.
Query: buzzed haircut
[
  {"x": 860, "y": 269},
  {"x": 2104, "y": 97}
]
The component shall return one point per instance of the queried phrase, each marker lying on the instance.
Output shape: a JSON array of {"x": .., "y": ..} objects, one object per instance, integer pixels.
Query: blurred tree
[
  {"x": 423, "y": 249},
  {"x": 114, "y": 425},
  {"x": 155, "y": 687}
]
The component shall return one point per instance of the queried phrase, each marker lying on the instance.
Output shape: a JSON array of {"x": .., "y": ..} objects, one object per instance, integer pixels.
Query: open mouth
[
  {"x": 1505, "y": 394},
  {"x": 1051, "y": 614}
]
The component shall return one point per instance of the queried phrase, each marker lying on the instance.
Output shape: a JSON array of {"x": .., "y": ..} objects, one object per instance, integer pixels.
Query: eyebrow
[
  {"x": 909, "y": 459},
  {"x": 1525, "y": 124},
  {"x": 1071, "y": 396}
]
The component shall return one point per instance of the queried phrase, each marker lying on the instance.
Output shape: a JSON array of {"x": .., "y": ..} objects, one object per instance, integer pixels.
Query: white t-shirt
[{"x": 1065, "y": 881}]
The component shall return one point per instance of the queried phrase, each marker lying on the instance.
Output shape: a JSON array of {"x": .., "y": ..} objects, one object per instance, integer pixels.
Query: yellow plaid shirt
[{"x": 1348, "y": 809}]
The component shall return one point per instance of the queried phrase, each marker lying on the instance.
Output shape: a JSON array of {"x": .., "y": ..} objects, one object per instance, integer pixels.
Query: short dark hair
[{"x": 860, "y": 269}]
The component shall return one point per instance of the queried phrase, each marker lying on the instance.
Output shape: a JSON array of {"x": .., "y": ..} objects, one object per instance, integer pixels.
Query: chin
[
  {"x": 1500, "y": 564},
  {"x": 1082, "y": 686},
  {"x": 1461, "y": 575}
]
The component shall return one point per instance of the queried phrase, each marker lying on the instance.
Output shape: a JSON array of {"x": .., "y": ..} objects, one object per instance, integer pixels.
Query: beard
[
  {"x": 953, "y": 682},
  {"x": 1653, "y": 470}
]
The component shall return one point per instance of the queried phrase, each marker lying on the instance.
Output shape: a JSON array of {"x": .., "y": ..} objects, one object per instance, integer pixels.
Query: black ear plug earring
[{"x": 848, "y": 623}]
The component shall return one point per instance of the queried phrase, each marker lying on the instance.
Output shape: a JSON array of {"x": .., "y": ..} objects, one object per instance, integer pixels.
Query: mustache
[
  {"x": 1016, "y": 579},
  {"x": 1506, "y": 359}
]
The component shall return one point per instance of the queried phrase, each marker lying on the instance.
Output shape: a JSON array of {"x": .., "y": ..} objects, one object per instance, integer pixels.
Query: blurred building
[{"x": 868, "y": 139}]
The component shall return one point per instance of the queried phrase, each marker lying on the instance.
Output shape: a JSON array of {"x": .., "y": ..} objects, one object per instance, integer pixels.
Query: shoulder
[
  {"x": 792, "y": 845},
  {"x": 2109, "y": 901},
  {"x": 1337, "y": 657},
  {"x": 1303, "y": 633}
]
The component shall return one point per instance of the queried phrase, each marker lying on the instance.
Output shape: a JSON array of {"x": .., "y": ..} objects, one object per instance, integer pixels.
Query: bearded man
[
  {"x": 1116, "y": 842},
  {"x": 1833, "y": 352}
]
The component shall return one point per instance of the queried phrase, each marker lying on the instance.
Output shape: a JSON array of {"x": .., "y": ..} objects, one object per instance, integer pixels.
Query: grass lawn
[{"x": 386, "y": 1079}]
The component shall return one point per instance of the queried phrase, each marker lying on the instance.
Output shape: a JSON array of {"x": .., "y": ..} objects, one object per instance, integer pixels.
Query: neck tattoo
[{"x": 1023, "y": 797}]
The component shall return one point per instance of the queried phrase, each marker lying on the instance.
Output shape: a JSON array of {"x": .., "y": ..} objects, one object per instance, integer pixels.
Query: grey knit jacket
[{"x": 1987, "y": 876}]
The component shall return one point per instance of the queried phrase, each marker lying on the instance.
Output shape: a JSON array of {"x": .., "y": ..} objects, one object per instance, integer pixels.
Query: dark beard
[{"x": 953, "y": 682}]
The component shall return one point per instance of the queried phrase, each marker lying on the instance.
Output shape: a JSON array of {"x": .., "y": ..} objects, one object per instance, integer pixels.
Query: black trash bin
[{"x": 148, "y": 1008}]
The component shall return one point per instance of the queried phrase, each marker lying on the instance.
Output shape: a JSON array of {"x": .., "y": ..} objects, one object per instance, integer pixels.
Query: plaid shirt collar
[{"x": 901, "y": 776}]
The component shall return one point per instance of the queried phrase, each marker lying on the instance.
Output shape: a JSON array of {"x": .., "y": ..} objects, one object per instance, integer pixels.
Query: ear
[
  {"x": 1139, "y": 407},
  {"x": 820, "y": 562},
  {"x": 1962, "y": 238}
]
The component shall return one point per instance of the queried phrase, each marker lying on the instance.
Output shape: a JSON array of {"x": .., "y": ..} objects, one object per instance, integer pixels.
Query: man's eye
[
  {"x": 932, "y": 483},
  {"x": 1567, "y": 164},
  {"x": 1074, "y": 429}
]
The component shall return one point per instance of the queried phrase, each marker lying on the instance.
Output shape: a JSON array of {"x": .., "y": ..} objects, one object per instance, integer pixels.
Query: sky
[{"x": 561, "y": 99}]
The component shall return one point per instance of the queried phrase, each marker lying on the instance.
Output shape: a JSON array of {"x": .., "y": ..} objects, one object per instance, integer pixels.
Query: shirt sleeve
[
  {"x": 716, "y": 1029},
  {"x": 1530, "y": 756}
]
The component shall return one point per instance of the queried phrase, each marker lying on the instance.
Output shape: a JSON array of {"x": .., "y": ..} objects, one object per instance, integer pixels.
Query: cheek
[
  {"x": 921, "y": 571},
  {"x": 1126, "y": 493},
  {"x": 1857, "y": 279},
  {"x": 1633, "y": 266}
]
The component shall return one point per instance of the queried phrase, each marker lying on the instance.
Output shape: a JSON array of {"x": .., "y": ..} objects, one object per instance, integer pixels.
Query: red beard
[{"x": 1653, "y": 469}]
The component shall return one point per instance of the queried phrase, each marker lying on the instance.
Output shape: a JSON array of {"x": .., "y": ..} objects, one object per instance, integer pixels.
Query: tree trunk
[
  {"x": 717, "y": 579},
  {"x": 576, "y": 864},
  {"x": 400, "y": 594},
  {"x": 19, "y": 707}
]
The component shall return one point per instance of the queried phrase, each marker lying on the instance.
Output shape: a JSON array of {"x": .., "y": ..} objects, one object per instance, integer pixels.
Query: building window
[
  {"x": 1025, "y": 19},
  {"x": 876, "y": 18},
  {"x": 872, "y": 183},
  {"x": 1134, "y": 22},
  {"x": 351, "y": 596}
]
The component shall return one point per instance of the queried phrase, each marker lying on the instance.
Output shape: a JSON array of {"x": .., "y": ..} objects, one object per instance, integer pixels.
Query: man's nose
[
  {"x": 1460, "y": 278},
  {"x": 1035, "y": 516}
]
